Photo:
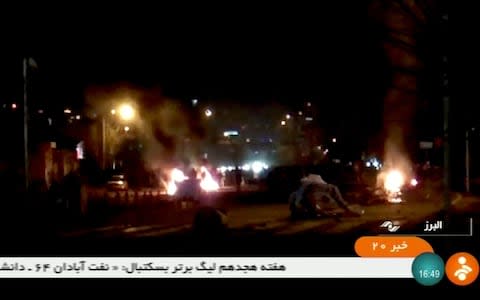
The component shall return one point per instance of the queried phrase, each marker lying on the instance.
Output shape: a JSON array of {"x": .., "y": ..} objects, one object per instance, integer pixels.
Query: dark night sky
[
  {"x": 253, "y": 54},
  {"x": 245, "y": 53}
]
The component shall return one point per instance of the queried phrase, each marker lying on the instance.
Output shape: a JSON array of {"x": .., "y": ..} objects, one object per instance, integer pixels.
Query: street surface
[{"x": 168, "y": 218}]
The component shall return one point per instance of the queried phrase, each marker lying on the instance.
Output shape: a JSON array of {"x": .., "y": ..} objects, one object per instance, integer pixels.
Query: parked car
[{"x": 117, "y": 182}]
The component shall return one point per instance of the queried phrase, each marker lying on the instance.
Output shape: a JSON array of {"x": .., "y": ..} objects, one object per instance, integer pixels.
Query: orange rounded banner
[{"x": 391, "y": 246}]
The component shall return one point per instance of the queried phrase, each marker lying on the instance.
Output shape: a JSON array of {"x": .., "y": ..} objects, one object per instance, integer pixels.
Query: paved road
[
  {"x": 271, "y": 218},
  {"x": 145, "y": 195}
]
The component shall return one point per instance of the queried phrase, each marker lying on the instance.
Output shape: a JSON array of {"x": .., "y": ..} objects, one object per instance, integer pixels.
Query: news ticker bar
[{"x": 206, "y": 267}]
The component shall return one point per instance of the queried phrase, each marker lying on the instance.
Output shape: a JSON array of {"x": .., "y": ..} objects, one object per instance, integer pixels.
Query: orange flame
[
  {"x": 394, "y": 181},
  {"x": 176, "y": 175},
  {"x": 171, "y": 188},
  {"x": 207, "y": 183}
]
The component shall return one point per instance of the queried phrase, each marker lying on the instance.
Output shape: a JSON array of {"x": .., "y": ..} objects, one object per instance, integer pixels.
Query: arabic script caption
[{"x": 134, "y": 267}]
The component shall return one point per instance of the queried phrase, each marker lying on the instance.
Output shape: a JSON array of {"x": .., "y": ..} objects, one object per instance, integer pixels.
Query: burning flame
[
  {"x": 171, "y": 188},
  {"x": 176, "y": 175},
  {"x": 394, "y": 181},
  {"x": 207, "y": 183},
  {"x": 413, "y": 182}
]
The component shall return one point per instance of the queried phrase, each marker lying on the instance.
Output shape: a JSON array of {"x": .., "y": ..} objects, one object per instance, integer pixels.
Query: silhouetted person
[
  {"x": 358, "y": 171},
  {"x": 189, "y": 189},
  {"x": 238, "y": 178},
  {"x": 72, "y": 192}
]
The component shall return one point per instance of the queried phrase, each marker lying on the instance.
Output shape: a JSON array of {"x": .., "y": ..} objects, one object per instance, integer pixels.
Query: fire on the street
[
  {"x": 175, "y": 176},
  {"x": 207, "y": 182},
  {"x": 394, "y": 181}
]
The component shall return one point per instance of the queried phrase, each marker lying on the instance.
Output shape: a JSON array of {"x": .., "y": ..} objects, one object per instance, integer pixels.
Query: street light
[
  {"x": 334, "y": 140},
  {"x": 126, "y": 112},
  {"x": 283, "y": 123},
  {"x": 208, "y": 113}
]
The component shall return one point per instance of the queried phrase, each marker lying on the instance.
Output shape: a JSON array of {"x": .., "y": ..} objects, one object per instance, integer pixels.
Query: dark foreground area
[{"x": 253, "y": 229}]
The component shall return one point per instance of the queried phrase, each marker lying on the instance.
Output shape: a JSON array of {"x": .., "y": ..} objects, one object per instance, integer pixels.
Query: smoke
[
  {"x": 399, "y": 112},
  {"x": 171, "y": 133},
  {"x": 168, "y": 131},
  {"x": 401, "y": 45}
]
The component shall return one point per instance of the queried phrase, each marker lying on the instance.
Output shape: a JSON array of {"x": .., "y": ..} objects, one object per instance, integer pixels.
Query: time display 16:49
[{"x": 430, "y": 273}]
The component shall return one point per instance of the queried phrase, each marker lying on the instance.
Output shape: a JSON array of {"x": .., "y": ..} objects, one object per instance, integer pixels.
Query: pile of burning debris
[
  {"x": 392, "y": 184},
  {"x": 206, "y": 181}
]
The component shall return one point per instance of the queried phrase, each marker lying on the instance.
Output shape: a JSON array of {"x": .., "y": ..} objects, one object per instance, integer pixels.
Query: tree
[{"x": 409, "y": 35}]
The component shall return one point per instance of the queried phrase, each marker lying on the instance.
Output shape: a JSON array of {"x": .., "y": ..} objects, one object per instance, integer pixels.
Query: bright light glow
[
  {"x": 394, "y": 181},
  {"x": 171, "y": 188},
  {"x": 80, "y": 150},
  {"x": 223, "y": 169},
  {"x": 113, "y": 111},
  {"x": 126, "y": 112},
  {"x": 395, "y": 200},
  {"x": 208, "y": 184},
  {"x": 247, "y": 140},
  {"x": 413, "y": 182},
  {"x": 67, "y": 111},
  {"x": 257, "y": 167},
  {"x": 126, "y": 128},
  {"x": 230, "y": 168},
  {"x": 309, "y": 104},
  {"x": 230, "y": 133},
  {"x": 194, "y": 102},
  {"x": 177, "y": 175},
  {"x": 208, "y": 113},
  {"x": 374, "y": 162},
  {"x": 300, "y": 113},
  {"x": 14, "y": 106},
  {"x": 334, "y": 140},
  {"x": 309, "y": 119},
  {"x": 288, "y": 117},
  {"x": 246, "y": 167},
  {"x": 77, "y": 117},
  {"x": 283, "y": 123}
]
